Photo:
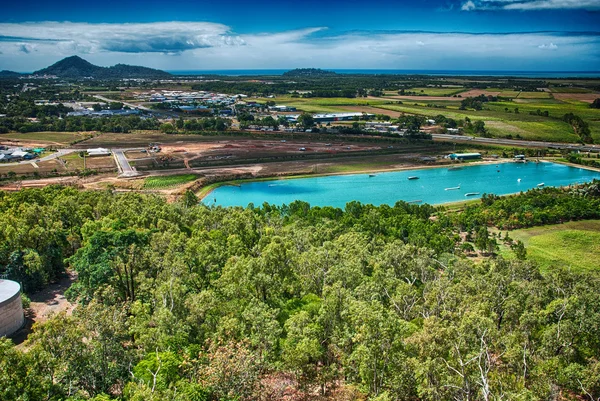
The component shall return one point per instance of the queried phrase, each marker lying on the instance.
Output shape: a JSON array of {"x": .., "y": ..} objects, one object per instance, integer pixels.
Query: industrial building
[
  {"x": 103, "y": 113},
  {"x": 465, "y": 156},
  {"x": 98, "y": 152},
  {"x": 11, "y": 308},
  {"x": 326, "y": 118},
  {"x": 281, "y": 108}
]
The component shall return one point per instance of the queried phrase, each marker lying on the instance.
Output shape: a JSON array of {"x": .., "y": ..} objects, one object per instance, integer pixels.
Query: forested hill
[
  {"x": 309, "y": 72},
  {"x": 9, "y": 74},
  {"x": 76, "y": 67},
  {"x": 180, "y": 301}
]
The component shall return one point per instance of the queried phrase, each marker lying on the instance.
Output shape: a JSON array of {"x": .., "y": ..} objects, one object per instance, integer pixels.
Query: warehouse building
[{"x": 465, "y": 156}]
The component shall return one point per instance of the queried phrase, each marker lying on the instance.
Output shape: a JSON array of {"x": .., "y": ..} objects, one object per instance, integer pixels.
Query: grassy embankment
[
  {"x": 50, "y": 137},
  {"x": 574, "y": 245}
]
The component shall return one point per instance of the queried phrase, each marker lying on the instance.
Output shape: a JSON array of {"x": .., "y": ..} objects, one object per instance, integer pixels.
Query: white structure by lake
[{"x": 11, "y": 307}]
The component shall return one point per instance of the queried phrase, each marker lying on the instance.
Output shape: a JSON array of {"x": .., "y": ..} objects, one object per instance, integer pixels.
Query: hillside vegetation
[
  {"x": 185, "y": 302},
  {"x": 76, "y": 67}
]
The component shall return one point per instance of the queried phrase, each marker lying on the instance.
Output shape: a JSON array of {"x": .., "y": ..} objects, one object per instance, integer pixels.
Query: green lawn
[
  {"x": 168, "y": 181},
  {"x": 574, "y": 245}
]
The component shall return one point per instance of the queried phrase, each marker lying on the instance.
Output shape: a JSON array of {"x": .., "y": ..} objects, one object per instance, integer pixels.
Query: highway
[
  {"x": 516, "y": 142},
  {"x": 133, "y": 106},
  {"x": 158, "y": 113}
]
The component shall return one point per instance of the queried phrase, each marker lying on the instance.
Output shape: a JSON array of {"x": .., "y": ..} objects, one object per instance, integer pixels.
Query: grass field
[
  {"x": 502, "y": 123},
  {"x": 574, "y": 245},
  {"x": 509, "y": 93},
  {"x": 168, "y": 181},
  {"x": 323, "y": 105},
  {"x": 534, "y": 95},
  {"x": 55, "y": 138},
  {"x": 436, "y": 91}
]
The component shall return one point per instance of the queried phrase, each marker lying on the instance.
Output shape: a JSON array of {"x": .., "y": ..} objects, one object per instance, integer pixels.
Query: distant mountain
[
  {"x": 76, "y": 67},
  {"x": 309, "y": 72},
  {"x": 9, "y": 74}
]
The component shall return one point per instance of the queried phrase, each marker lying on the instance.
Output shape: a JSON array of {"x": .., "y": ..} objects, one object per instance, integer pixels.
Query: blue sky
[{"x": 538, "y": 35}]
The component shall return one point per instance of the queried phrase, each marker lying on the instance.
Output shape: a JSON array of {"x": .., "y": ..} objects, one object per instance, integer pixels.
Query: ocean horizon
[{"x": 469, "y": 73}]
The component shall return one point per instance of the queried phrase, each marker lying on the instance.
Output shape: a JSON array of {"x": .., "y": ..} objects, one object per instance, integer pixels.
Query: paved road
[
  {"x": 158, "y": 113},
  {"x": 516, "y": 142},
  {"x": 133, "y": 106},
  {"x": 123, "y": 165},
  {"x": 59, "y": 153}
]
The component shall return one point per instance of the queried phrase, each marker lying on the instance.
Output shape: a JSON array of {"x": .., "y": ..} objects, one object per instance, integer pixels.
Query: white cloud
[
  {"x": 198, "y": 46},
  {"x": 471, "y": 5},
  {"x": 163, "y": 37},
  {"x": 468, "y": 6}
]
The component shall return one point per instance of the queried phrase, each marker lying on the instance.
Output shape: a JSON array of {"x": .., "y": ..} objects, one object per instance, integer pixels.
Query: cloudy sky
[{"x": 525, "y": 35}]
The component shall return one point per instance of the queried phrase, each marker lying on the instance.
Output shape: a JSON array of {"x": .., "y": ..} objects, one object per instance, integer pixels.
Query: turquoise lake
[{"x": 390, "y": 187}]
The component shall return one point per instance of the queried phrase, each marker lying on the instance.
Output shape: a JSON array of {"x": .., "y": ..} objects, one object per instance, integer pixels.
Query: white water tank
[{"x": 11, "y": 307}]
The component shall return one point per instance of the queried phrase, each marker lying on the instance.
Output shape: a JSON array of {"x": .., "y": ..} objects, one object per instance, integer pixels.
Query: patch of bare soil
[
  {"x": 582, "y": 97},
  {"x": 46, "y": 303}
]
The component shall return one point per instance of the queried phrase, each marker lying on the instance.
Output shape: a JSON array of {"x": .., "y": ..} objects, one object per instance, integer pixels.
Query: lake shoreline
[{"x": 208, "y": 189}]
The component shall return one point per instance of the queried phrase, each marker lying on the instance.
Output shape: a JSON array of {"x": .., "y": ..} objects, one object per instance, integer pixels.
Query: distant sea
[{"x": 467, "y": 73}]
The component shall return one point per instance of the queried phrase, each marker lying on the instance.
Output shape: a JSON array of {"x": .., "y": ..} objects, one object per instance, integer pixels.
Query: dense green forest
[
  {"x": 75, "y": 67},
  {"x": 186, "y": 302}
]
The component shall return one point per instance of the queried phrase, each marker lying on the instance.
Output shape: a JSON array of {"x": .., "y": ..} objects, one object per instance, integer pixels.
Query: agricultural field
[
  {"x": 436, "y": 91},
  {"x": 324, "y": 105},
  {"x": 501, "y": 119},
  {"x": 169, "y": 181},
  {"x": 509, "y": 93},
  {"x": 534, "y": 95},
  {"x": 555, "y": 131},
  {"x": 559, "y": 89},
  {"x": 574, "y": 245}
]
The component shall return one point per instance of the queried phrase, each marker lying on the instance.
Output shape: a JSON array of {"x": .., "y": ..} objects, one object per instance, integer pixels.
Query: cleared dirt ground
[
  {"x": 46, "y": 303},
  {"x": 582, "y": 97}
]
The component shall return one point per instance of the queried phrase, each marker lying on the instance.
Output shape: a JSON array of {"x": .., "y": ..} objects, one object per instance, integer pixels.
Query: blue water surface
[{"x": 390, "y": 187}]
